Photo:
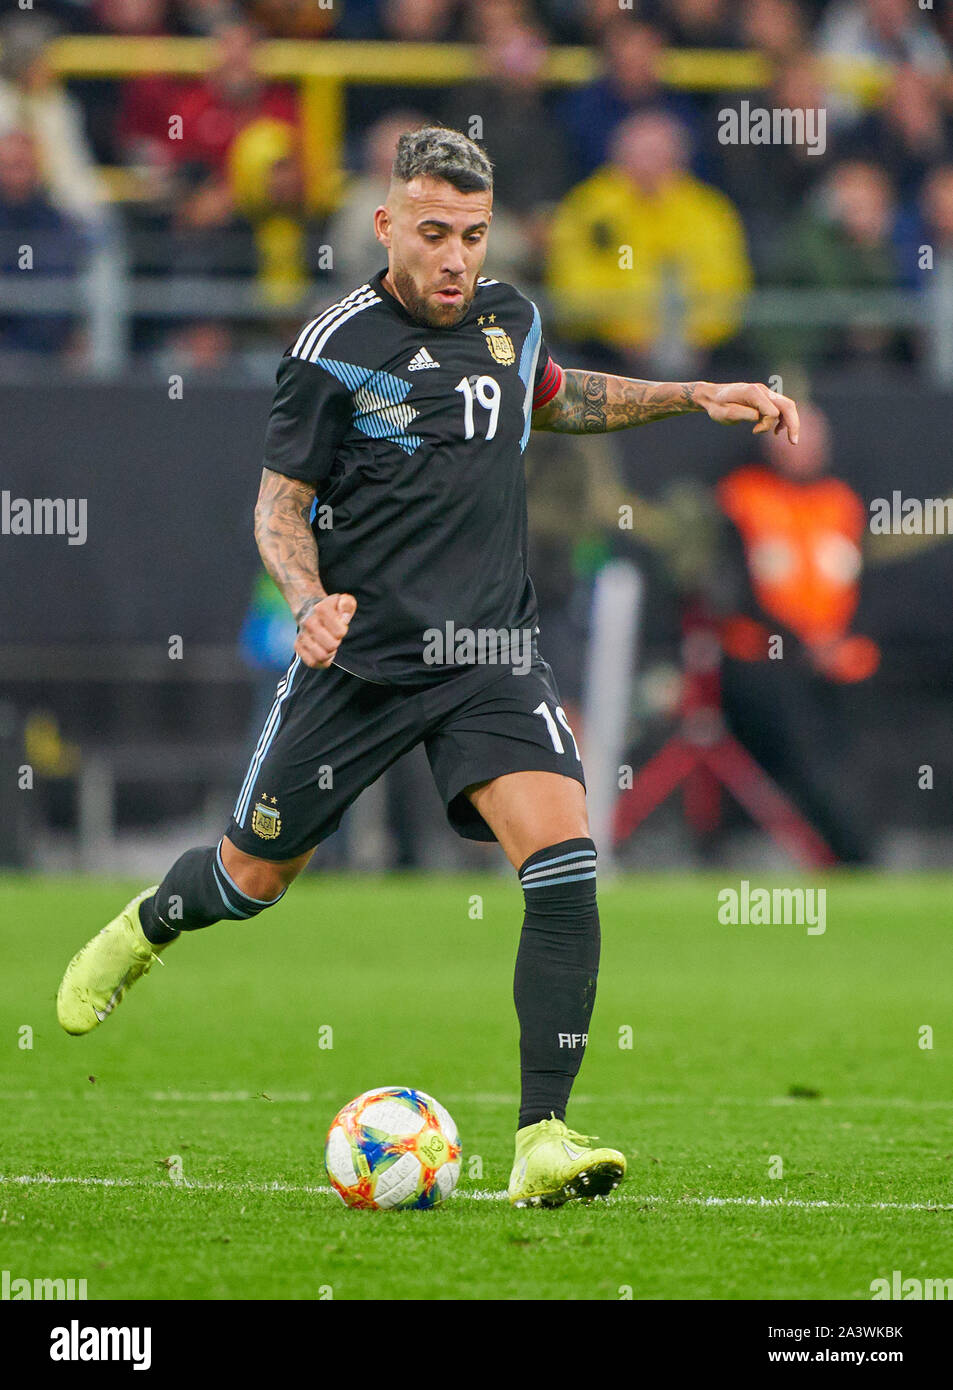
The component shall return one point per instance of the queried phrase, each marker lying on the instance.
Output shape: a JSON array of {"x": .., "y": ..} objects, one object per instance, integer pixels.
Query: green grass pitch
[{"x": 755, "y": 1050}]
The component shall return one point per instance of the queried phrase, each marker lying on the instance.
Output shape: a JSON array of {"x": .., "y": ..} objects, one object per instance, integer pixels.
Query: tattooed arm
[
  {"x": 594, "y": 403},
  {"x": 290, "y": 555},
  {"x": 285, "y": 540}
]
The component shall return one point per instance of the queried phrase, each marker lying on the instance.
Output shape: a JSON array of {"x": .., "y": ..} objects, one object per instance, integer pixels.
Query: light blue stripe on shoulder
[{"x": 527, "y": 372}]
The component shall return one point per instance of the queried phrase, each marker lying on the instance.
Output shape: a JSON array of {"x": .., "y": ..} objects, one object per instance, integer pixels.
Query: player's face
[{"x": 436, "y": 242}]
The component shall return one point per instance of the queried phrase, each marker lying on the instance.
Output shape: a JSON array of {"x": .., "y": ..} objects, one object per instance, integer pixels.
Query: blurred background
[{"x": 757, "y": 676}]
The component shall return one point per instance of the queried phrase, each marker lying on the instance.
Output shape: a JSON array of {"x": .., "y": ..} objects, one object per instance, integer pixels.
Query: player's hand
[
  {"x": 323, "y": 628},
  {"x": 746, "y": 400}
]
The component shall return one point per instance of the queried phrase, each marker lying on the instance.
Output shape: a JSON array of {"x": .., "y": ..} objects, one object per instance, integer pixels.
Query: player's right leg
[{"x": 219, "y": 883}]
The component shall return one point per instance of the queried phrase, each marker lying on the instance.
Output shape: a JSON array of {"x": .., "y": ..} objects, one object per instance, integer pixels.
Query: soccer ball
[{"x": 391, "y": 1149}]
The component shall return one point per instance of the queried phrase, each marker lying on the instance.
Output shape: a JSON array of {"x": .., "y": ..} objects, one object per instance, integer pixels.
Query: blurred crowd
[{"x": 616, "y": 201}]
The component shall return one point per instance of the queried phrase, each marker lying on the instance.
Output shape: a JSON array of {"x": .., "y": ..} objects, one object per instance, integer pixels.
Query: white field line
[
  {"x": 473, "y": 1194},
  {"x": 492, "y": 1098}
]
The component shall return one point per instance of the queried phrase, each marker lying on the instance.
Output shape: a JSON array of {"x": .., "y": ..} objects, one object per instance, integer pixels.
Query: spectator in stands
[
  {"x": 402, "y": 21},
  {"x": 231, "y": 97},
  {"x": 633, "y": 54},
  {"x": 507, "y": 109},
  {"x": 192, "y": 228},
  {"x": 206, "y": 234},
  {"x": 417, "y": 21},
  {"x": 775, "y": 28},
  {"x": 936, "y": 205},
  {"x": 767, "y": 181},
  {"x": 890, "y": 30},
  {"x": 204, "y": 348},
  {"x": 944, "y": 22},
  {"x": 294, "y": 19},
  {"x": 357, "y": 252},
  {"x": 179, "y": 18},
  {"x": 584, "y": 21},
  {"x": 936, "y": 209},
  {"x": 205, "y": 17},
  {"x": 908, "y": 134},
  {"x": 358, "y": 19},
  {"x": 849, "y": 244},
  {"x": 266, "y": 178},
  {"x": 893, "y": 31},
  {"x": 69, "y": 16},
  {"x": 698, "y": 23},
  {"x": 131, "y": 17},
  {"x": 30, "y": 224},
  {"x": 140, "y": 128},
  {"x": 31, "y": 101},
  {"x": 494, "y": 20},
  {"x": 641, "y": 235}
]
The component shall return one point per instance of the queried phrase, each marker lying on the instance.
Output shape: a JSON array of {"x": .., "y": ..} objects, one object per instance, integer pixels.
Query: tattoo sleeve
[
  {"x": 594, "y": 403},
  {"x": 286, "y": 542}
]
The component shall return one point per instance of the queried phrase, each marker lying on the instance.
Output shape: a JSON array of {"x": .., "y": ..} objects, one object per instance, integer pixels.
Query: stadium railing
[{"x": 110, "y": 300}]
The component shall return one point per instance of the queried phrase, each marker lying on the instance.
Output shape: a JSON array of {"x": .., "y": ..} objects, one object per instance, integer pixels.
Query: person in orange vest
[{"x": 791, "y": 652}]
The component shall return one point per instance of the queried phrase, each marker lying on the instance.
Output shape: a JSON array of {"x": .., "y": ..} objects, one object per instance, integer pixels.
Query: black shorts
[{"x": 330, "y": 734}]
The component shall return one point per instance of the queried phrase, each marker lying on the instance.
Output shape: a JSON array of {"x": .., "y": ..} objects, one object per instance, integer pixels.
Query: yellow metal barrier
[{"x": 292, "y": 60}]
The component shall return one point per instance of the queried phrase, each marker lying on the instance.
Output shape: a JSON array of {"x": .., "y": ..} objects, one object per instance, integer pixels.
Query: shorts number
[{"x": 542, "y": 709}]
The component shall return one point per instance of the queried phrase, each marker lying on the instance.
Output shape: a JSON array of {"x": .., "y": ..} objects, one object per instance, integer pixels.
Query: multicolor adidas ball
[{"x": 391, "y": 1149}]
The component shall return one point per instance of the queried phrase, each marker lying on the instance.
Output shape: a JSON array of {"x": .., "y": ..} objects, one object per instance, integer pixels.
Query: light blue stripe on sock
[
  {"x": 551, "y": 882},
  {"x": 560, "y": 859},
  {"x": 233, "y": 910},
  {"x": 259, "y": 902}
]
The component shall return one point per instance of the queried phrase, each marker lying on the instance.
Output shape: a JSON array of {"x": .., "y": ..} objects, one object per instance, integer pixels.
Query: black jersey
[{"x": 412, "y": 438}]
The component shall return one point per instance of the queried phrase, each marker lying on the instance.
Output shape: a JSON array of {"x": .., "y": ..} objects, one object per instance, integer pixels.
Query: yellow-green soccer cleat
[
  {"x": 98, "y": 976},
  {"x": 554, "y": 1164}
]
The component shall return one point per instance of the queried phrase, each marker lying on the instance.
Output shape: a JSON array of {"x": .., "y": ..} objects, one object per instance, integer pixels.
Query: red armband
[{"x": 549, "y": 384}]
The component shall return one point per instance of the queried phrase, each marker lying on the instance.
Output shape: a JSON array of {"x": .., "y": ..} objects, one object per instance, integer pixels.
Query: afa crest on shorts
[
  {"x": 501, "y": 346},
  {"x": 265, "y": 820}
]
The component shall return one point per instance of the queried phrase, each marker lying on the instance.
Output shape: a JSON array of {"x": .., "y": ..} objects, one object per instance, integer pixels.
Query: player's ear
[{"x": 382, "y": 225}]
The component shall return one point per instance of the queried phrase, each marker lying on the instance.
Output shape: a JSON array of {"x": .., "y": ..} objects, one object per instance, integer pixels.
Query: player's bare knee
[{"x": 260, "y": 879}]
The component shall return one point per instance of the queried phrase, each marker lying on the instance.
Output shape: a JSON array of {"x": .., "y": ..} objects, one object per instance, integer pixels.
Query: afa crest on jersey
[{"x": 501, "y": 346}]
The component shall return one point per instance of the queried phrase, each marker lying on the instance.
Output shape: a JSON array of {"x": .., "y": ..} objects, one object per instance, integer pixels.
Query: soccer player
[{"x": 392, "y": 515}]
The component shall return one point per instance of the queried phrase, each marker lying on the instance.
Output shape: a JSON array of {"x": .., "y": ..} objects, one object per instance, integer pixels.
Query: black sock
[
  {"x": 556, "y": 969},
  {"x": 196, "y": 892}
]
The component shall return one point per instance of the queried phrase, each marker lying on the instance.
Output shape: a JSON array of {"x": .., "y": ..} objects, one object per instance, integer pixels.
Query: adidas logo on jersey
[{"x": 421, "y": 361}]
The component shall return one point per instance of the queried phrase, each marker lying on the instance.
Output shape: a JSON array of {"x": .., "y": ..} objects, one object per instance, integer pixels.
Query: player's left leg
[{"x": 539, "y": 818}]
